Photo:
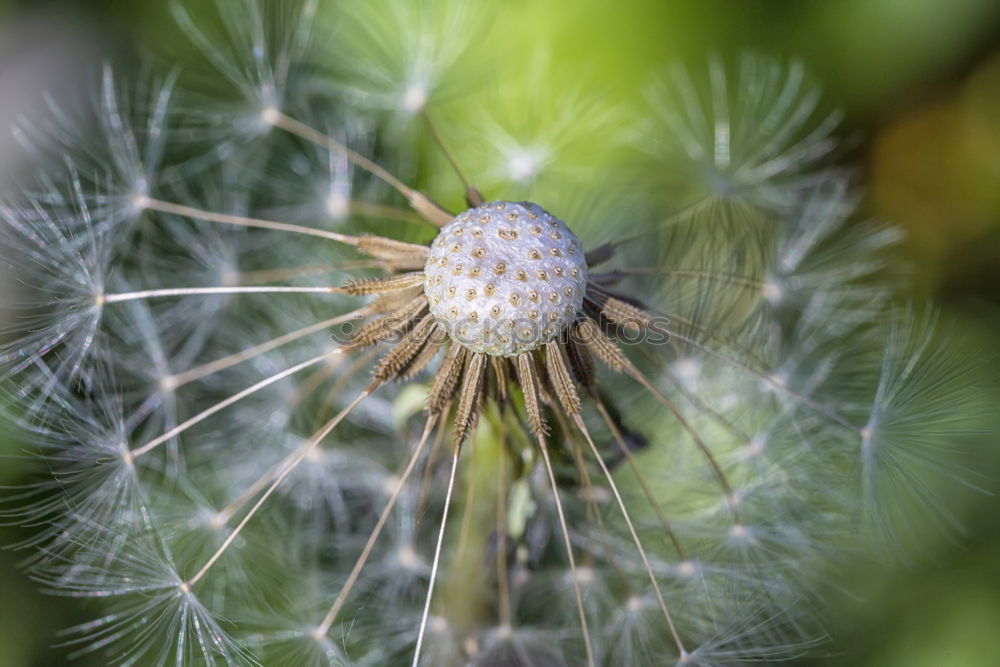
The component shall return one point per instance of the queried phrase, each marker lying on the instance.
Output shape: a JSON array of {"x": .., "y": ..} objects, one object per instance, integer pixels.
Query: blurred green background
[{"x": 920, "y": 83}]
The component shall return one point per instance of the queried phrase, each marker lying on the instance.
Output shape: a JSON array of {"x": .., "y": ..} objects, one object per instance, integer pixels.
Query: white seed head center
[{"x": 505, "y": 278}]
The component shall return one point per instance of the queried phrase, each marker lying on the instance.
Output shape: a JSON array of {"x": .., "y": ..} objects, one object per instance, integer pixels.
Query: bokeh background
[{"x": 919, "y": 81}]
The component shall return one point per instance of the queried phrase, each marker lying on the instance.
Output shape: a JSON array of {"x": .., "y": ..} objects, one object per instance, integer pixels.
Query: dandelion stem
[
  {"x": 202, "y": 291},
  {"x": 437, "y": 555},
  {"x": 315, "y": 440},
  {"x": 300, "y": 129},
  {"x": 329, "y": 400},
  {"x": 419, "y": 201},
  {"x": 805, "y": 400},
  {"x": 692, "y": 398},
  {"x": 324, "y": 627},
  {"x": 425, "y": 482},
  {"x": 643, "y": 482},
  {"x": 233, "y": 507},
  {"x": 635, "y": 537},
  {"x": 241, "y": 221},
  {"x": 287, "y": 273},
  {"x": 180, "y": 428},
  {"x": 230, "y": 510},
  {"x": 470, "y": 495},
  {"x": 702, "y": 446},
  {"x": 589, "y": 493},
  {"x": 503, "y": 586},
  {"x": 383, "y": 211},
  {"x": 734, "y": 279},
  {"x": 472, "y": 195},
  {"x": 569, "y": 548},
  {"x": 670, "y": 317},
  {"x": 243, "y": 355}
]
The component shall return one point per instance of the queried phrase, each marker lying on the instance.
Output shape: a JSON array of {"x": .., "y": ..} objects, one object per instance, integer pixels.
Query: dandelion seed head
[
  {"x": 270, "y": 116},
  {"x": 140, "y": 202},
  {"x": 739, "y": 532},
  {"x": 505, "y": 278},
  {"x": 314, "y": 455},
  {"x": 127, "y": 458},
  {"x": 585, "y": 576},
  {"x": 389, "y": 483},
  {"x": 740, "y": 149},
  {"x": 216, "y": 520},
  {"x": 687, "y": 568},
  {"x": 777, "y": 380},
  {"x": 771, "y": 290},
  {"x": 756, "y": 445},
  {"x": 523, "y": 164},
  {"x": 688, "y": 370},
  {"x": 409, "y": 559},
  {"x": 414, "y": 97},
  {"x": 338, "y": 205}
]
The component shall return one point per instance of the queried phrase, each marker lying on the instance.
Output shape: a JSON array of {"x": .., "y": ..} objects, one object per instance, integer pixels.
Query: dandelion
[{"x": 297, "y": 411}]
